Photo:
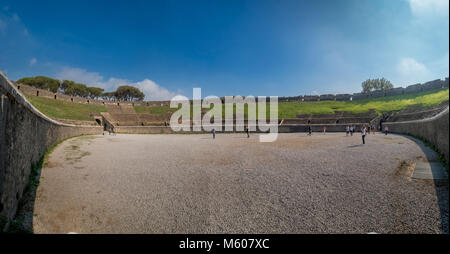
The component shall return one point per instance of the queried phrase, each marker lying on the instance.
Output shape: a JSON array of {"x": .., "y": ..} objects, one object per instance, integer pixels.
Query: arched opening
[
  {"x": 87, "y": 101},
  {"x": 99, "y": 122},
  {"x": 37, "y": 93},
  {"x": 309, "y": 121},
  {"x": 18, "y": 87},
  {"x": 337, "y": 121},
  {"x": 71, "y": 99},
  {"x": 118, "y": 104},
  {"x": 55, "y": 96}
]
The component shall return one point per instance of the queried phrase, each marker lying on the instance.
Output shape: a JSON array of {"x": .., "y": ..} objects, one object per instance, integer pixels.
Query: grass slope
[
  {"x": 381, "y": 105},
  {"x": 65, "y": 110},
  {"x": 78, "y": 111}
]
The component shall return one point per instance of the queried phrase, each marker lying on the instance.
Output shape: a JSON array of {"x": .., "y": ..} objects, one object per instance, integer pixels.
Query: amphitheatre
[{"x": 62, "y": 172}]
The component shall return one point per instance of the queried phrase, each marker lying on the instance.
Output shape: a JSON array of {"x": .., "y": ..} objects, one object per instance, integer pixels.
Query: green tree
[
  {"x": 376, "y": 84},
  {"x": 108, "y": 95},
  {"x": 95, "y": 92},
  {"x": 41, "y": 82},
  {"x": 129, "y": 93},
  {"x": 65, "y": 84},
  {"x": 77, "y": 89}
]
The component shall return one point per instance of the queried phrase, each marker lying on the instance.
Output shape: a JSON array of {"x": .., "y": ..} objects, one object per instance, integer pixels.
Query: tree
[
  {"x": 41, "y": 82},
  {"x": 94, "y": 92},
  {"x": 77, "y": 89},
  {"x": 376, "y": 84},
  {"x": 129, "y": 93},
  {"x": 65, "y": 84},
  {"x": 108, "y": 95}
]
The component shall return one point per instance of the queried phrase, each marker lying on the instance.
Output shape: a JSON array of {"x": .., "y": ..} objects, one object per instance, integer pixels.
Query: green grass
[
  {"x": 65, "y": 110},
  {"x": 79, "y": 111},
  {"x": 380, "y": 105},
  {"x": 156, "y": 110}
]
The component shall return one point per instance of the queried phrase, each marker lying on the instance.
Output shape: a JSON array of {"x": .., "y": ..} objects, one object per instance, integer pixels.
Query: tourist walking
[
  {"x": 324, "y": 129},
  {"x": 309, "y": 130},
  {"x": 347, "y": 130},
  {"x": 247, "y": 131},
  {"x": 351, "y": 130},
  {"x": 214, "y": 133},
  {"x": 363, "y": 132},
  {"x": 386, "y": 129}
]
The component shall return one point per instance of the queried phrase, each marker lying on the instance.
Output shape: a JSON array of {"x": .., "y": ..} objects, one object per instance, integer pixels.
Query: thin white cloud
[
  {"x": 79, "y": 75},
  {"x": 429, "y": 7},
  {"x": 410, "y": 65},
  {"x": 33, "y": 61},
  {"x": 412, "y": 71},
  {"x": 151, "y": 90},
  {"x": 15, "y": 17},
  {"x": 6, "y": 8}
]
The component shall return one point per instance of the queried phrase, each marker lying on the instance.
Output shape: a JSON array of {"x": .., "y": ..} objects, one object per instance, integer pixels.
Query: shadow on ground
[{"x": 441, "y": 186}]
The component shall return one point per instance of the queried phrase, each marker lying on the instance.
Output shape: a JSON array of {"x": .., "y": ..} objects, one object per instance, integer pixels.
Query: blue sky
[{"x": 259, "y": 47}]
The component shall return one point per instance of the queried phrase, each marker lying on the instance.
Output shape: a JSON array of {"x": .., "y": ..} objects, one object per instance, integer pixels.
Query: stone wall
[
  {"x": 25, "y": 135},
  {"x": 434, "y": 129}
]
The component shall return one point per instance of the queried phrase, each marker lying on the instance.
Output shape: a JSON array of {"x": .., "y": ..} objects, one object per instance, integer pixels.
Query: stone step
[{"x": 429, "y": 170}]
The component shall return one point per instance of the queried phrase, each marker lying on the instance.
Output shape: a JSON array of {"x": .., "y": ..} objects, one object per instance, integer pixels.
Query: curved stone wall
[
  {"x": 25, "y": 135},
  {"x": 434, "y": 129}
]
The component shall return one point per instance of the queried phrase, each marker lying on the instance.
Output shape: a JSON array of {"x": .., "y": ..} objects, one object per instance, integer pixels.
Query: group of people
[{"x": 350, "y": 129}]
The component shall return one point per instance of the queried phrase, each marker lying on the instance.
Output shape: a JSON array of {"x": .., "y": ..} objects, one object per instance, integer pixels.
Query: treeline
[{"x": 71, "y": 88}]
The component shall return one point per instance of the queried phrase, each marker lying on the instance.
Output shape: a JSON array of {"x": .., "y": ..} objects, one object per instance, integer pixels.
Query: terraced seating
[{"x": 399, "y": 117}]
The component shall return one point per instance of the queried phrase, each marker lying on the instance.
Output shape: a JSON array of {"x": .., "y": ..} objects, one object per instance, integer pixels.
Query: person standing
[
  {"x": 309, "y": 130},
  {"x": 363, "y": 132},
  {"x": 214, "y": 133},
  {"x": 351, "y": 130},
  {"x": 386, "y": 129},
  {"x": 247, "y": 131},
  {"x": 324, "y": 129},
  {"x": 347, "y": 130}
]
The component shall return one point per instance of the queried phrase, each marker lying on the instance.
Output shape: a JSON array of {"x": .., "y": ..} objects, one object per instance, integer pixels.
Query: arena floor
[{"x": 326, "y": 183}]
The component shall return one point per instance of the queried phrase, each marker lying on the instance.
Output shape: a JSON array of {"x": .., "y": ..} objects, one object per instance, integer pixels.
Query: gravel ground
[{"x": 194, "y": 184}]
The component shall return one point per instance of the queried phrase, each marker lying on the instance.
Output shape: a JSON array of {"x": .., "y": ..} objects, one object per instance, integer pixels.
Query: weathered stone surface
[
  {"x": 343, "y": 97},
  {"x": 434, "y": 129},
  {"x": 327, "y": 97},
  {"x": 429, "y": 170},
  {"x": 417, "y": 88},
  {"x": 25, "y": 135},
  {"x": 377, "y": 94},
  {"x": 394, "y": 91},
  {"x": 311, "y": 97},
  {"x": 433, "y": 85},
  {"x": 358, "y": 96}
]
